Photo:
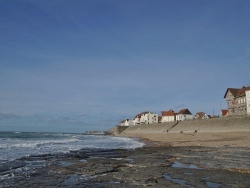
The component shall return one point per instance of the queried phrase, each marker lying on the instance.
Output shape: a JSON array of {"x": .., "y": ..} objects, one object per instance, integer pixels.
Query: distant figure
[{"x": 195, "y": 131}]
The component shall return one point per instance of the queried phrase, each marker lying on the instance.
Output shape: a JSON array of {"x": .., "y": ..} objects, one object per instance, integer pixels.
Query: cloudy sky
[{"x": 72, "y": 66}]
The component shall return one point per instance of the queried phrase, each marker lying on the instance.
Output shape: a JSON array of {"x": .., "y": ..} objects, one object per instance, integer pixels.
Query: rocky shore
[
  {"x": 155, "y": 165},
  {"x": 209, "y": 159}
]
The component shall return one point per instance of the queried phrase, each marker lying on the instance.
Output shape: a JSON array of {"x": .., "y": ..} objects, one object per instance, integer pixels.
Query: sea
[{"x": 18, "y": 145}]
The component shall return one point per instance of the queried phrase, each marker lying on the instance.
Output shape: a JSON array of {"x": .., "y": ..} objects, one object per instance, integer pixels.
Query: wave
[{"x": 10, "y": 143}]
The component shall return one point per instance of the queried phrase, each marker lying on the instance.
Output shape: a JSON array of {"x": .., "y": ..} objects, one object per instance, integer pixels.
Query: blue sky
[{"x": 72, "y": 66}]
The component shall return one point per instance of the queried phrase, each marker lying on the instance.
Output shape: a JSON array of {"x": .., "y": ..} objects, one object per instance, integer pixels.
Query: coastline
[
  {"x": 217, "y": 132},
  {"x": 157, "y": 164},
  {"x": 206, "y": 139},
  {"x": 187, "y": 159}
]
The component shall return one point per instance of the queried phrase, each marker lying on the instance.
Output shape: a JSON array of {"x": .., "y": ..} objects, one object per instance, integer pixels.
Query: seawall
[{"x": 225, "y": 124}]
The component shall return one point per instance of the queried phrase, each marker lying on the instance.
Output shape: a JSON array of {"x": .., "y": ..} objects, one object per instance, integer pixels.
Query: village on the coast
[{"x": 238, "y": 104}]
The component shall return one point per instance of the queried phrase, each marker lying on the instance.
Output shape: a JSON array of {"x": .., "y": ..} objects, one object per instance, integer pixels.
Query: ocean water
[{"x": 15, "y": 145}]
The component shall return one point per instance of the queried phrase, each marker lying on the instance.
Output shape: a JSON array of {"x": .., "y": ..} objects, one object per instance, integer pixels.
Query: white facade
[
  {"x": 148, "y": 118},
  {"x": 168, "y": 119},
  {"x": 248, "y": 101},
  {"x": 182, "y": 117},
  {"x": 126, "y": 122},
  {"x": 205, "y": 116},
  {"x": 136, "y": 121}
]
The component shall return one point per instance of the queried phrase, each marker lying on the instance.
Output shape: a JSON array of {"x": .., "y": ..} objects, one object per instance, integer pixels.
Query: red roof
[
  {"x": 236, "y": 92},
  {"x": 184, "y": 111},
  {"x": 224, "y": 112},
  {"x": 168, "y": 113}
]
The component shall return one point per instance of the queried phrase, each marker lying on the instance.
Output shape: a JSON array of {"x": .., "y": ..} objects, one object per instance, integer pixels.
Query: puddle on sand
[
  {"x": 83, "y": 161},
  {"x": 72, "y": 180},
  {"x": 213, "y": 185},
  {"x": 65, "y": 163},
  {"x": 178, "y": 181},
  {"x": 177, "y": 164}
]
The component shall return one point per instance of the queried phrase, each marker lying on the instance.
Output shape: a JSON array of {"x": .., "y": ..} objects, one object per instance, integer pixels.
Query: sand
[
  {"x": 208, "y": 139},
  {"x": 215, "y": 132}
]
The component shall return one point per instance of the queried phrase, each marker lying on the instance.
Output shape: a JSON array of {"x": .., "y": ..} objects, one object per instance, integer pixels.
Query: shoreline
[
  {"x": 206, "y": 139},
  {"x": 156, "y": 164},
  {"x": 216, "y": 132}
]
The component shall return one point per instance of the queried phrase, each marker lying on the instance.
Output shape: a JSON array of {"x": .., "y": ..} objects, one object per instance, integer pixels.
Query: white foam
[{"x": 14, "y": 148}]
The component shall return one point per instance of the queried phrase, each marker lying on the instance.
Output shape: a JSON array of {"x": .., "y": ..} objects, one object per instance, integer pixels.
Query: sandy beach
[
  {"x": 208, "y": 139},
  {"x": 216, "y": 132}
]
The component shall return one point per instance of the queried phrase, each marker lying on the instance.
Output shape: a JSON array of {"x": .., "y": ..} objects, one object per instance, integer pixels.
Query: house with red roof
[
  {"x": 168, "y": 116},
  {"x": 201, "y": 115},
  {"x": 236, "y": 100},
  {"x": 136, "y": 120},
  {"x": 184, "y": 114},
  {"x": 224, "y": 113}
]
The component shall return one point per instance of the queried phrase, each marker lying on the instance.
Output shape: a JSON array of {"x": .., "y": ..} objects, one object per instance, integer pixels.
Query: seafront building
[
  {"x": 236, "y": 100},
  {"x": 201, "y": 115},
  {"x": 148, "y": 118},
  {"x": 168, "y": 116},
  {"x": 145, "y": 118},
  {"x": 184, "y": 114},
  {"x": 248, "y": 101},
  {"x": 126, "y": 122}
]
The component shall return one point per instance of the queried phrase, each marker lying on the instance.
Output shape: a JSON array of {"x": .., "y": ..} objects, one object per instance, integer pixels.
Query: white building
[
  {"x": 248, "y": 101},
  {"x": 136, "y": 120},
  {"x": 126, "y": 122},
  {"x": 168, "y": 116},
  {"x": 184, "y": 114},
  {"x": 201, "y": 115},
  {"x": 148, "y": 118}
]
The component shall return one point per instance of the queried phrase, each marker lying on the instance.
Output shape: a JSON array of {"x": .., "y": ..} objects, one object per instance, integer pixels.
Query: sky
[{"x": 79, "y": 65}]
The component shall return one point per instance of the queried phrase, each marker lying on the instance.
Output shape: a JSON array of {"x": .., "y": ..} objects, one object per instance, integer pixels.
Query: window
[{"x": 229, "y": 102}]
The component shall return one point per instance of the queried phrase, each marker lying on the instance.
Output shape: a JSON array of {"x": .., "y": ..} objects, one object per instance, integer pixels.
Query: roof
[
  {"x": 143, "y": 113},
  {"x": 199, "y": 115},
  {"x": 184, "y": 111},
  {"x": 168, "y": 113},
  {"x": 224, "y": 112},
  {"x": 237, "y": 92}
]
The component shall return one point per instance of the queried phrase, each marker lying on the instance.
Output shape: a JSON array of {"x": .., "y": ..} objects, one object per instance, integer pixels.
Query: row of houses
[
  {"x": 238, "y": 102},
  {"x": 150, "y": 117}
]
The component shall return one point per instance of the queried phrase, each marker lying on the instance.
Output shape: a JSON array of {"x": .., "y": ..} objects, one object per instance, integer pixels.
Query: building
[
  {"x": 248, "y": 101},
  {"x": 224, "y": 113},
  {"x": 126, "y": 122},
  {"x": 148, "y": 118},
  {"x": 184, "y": 114},
  {"x": 168, "y": 116},
  {"x": 137, "y": 119},
  {"x": 236, "y": 100},
  {"x": 201, "y": 115}
]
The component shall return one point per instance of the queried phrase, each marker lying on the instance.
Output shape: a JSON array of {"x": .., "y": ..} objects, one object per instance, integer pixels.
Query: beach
[
  {"x": 206, "y": 139},
  {"x": 173, "y": 156},
  {"x": 150, "y": 166},
  {"x": 217, "y": 132}
]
